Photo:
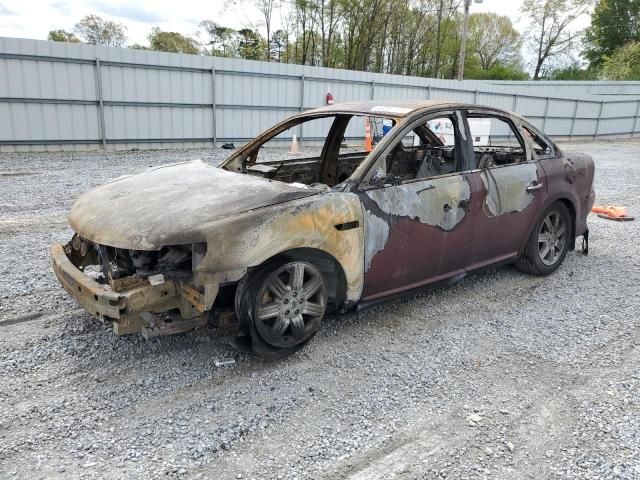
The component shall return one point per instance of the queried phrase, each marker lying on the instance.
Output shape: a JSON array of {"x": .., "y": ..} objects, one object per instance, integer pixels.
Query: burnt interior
[
  {"x": 430, "y": 158},
  {"x": 487, "y": 157},
  {"x": 509, "y": 147},
  {"x": 329, "y": 168},
  {"x": 309, "y": 171},
  {"x": 409, "y": 163}
]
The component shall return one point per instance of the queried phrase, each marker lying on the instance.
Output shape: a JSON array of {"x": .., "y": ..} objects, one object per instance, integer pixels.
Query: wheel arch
[
  {"x": 572, "y": 213},
  {"x": 567, "y": 202}
]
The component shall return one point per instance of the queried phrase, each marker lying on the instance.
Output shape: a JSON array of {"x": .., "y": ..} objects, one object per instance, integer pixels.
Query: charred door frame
[
  {"x": 512, "y": 226},
  {"x": 413, "y": 240}
]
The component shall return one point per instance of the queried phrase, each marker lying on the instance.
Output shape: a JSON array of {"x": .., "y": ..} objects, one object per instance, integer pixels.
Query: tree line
[{"x": 412, "y": 37}]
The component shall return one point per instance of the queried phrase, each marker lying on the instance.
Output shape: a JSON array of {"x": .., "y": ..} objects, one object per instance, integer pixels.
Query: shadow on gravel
[
  {"x": 91, "y": 345},
  {"x": 95, "y": 344}
]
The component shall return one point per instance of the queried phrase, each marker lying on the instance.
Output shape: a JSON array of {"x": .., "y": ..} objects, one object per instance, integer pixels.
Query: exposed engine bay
[{"x": 152, "y": 292}]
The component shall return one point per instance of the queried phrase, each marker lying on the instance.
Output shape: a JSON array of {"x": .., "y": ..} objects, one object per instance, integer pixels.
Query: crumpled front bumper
[
  {"x": 130, "y": 309},
  {"x": 98, "y": 299}
]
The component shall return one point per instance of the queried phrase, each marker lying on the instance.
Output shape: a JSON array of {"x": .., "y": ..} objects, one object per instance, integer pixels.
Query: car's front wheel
[
  {"x": 549, "y": 242},
  {"x": 282, "y": 304}
]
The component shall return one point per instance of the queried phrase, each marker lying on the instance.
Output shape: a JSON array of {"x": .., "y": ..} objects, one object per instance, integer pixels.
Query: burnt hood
[{"x": 168, "y": 205}]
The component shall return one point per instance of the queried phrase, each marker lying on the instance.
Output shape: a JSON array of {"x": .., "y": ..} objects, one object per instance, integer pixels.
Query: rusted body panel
[
  {"x": 122, "y": 308},
  {"x": 204, "y": 228},
  {"x": 419, "y": 223},
  {"x": 247, "y": 240},
  {"x": 570, "y": 177},
  {"x": 96, "y": 298},
  {"x": 506, "y": 213}
]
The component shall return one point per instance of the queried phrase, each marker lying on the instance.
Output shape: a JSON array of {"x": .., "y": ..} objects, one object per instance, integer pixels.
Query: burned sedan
[{"x": 271, "y": 242}]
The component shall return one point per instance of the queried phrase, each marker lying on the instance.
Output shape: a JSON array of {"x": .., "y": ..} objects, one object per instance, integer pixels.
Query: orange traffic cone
[
  {"x": 612, "y": 213},
  {"x": 368, "y": 144}
]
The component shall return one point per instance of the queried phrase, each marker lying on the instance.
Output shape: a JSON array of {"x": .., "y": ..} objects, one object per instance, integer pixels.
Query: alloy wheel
[
  {"x": 290, "y": 304},
  {"x": 552, "y": 238}
]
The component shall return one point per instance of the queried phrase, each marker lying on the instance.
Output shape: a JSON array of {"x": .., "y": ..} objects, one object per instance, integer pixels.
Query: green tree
[
  {"x": 171, "y": 42},
  {"x": 550, "y": 22},
  {"x": 222, "y": 41},
  {"x": 96, "y": 30},
  {"x": 494, "y": 40},
  {"x": 251, "y": 45},
  {"x": 614, "y": 23},
  {"x": 62, "y": 36},
  {"x": 574, "y": 72},
  {"x": 279, "y": 42},
  {"x": 624, "y": 64},
  {"x": 497, "y": 72},
  {"x": 266, "y": 9}
]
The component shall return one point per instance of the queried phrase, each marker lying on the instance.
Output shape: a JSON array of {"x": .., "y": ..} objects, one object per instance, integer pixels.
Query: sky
[{"x": 35, "y": 18}]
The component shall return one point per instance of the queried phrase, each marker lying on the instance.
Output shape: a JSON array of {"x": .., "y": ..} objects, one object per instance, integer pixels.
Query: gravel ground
[{"x": 499, "y": 376}]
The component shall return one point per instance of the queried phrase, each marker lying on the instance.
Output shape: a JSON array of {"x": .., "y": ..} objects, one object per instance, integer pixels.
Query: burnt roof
[{"x": 390, "y": 108}]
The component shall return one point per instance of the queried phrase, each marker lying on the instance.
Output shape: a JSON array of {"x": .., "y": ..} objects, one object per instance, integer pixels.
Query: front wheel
[
  {"x": 283, "y": 305},
  {"x": 549, "y": 242}
]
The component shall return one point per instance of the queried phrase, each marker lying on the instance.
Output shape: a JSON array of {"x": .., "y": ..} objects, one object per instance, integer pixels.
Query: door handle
[{"x": 534, "y": 186}]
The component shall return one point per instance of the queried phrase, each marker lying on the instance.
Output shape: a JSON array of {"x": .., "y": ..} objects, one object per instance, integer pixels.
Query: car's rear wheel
[
  {"x": 283, "y": 304},
  {"x": 549, "y": 242}
]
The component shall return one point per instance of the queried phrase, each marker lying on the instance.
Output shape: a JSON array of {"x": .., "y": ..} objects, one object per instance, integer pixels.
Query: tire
[
  {"x": 281, "y": 305},
  {"x": 549, "y": 242}
]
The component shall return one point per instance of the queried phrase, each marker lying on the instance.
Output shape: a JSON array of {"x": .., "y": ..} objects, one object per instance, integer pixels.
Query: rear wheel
[
  {"x": 282, "y": 304},
  {"x": 549, "y": 242}
]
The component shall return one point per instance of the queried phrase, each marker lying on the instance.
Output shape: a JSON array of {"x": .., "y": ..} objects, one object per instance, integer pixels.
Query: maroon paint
[
  {"x": 417, "y": 253},
  {"x": 502, "y": 236}
]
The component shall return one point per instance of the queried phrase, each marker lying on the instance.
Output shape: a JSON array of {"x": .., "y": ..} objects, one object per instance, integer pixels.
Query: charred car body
[{"x": 272, "y": 246}]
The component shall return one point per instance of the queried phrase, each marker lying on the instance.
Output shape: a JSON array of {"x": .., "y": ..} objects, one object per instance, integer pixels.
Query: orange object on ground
[
  {"x": 368, "y": 143},
  {"x": 611, "y": 213}
]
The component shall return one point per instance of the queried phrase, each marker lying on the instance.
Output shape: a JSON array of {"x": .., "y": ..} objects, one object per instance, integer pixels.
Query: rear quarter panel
[{"x": 570, "y": 177}]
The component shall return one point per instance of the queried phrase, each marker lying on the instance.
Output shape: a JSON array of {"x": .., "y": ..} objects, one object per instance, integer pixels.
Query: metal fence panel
[
  {"x": 38, "y": 123},
  {"x": 613, "y": 126},
  {"x": 157, "y": 123},
  {"x": 562, "y": 126},
  {"x": 585, "y": 127},
  {"x": 165, "y": 86},
  {"x": 37, "y": 79},
  {"x": 57, "y": 95}
]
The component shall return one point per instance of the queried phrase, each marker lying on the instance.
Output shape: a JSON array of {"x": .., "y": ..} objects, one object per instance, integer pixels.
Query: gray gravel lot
[{"x": 499, "y": 376}]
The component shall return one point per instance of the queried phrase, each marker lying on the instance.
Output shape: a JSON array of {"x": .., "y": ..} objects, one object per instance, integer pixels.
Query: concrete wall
[{"x": 67, "y": 96}]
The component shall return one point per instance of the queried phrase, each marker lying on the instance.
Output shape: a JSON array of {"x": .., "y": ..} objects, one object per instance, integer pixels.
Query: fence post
[
  {"x": 573, "y": 118},
  {"x": 103, "y": 135},
  {"x": 515, "y": 103},
  {"x": 546, "y": 112},
  {"x": 595, "y": 135},
  {"x": 373, "y": 89},
  {"x": 635, "y": 120},
  {"x": 301, "y": 102},
  {"x": 475, "y": 97},
  {"x": 213, "y": 103},
  {"x": 428, "y": 92}
]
